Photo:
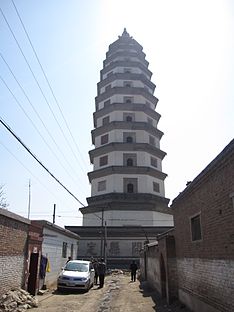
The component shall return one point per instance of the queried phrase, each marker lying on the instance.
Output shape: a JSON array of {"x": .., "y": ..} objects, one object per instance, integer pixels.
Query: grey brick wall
[
  {"x": 13, "y": 247},
  {"x": 11, "y": 272},
  {"x": 210, "y": 280}
]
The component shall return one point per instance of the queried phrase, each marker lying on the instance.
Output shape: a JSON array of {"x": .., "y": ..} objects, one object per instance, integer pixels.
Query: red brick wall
[{"x": 13, "y": 244}]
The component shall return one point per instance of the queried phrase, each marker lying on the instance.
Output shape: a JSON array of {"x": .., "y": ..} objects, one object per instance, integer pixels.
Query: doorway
[{"x": 33, "y": 268}]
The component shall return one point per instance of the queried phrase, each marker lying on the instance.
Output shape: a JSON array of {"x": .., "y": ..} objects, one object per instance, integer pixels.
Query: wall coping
[
  {"x": 11, "y": 215},
  {"x": 56, "y": 228}
]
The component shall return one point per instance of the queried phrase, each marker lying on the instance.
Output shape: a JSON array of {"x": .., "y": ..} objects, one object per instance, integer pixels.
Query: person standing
[
  {"x": 101, "y": 272},
  {"x": 133, "y": 268},
  {"x": 95, "y": 266}
]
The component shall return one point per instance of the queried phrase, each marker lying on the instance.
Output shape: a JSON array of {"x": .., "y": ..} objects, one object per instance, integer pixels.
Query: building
[
  {"x": 195, "y": 261},
  {"x": 57, "y": 245},
  {"x": 204, "y": 237},
  {"x": 127, "y": 205}
]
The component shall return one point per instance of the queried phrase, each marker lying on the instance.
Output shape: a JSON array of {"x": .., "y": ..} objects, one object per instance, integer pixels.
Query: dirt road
[{"x": 118, "y": 295}]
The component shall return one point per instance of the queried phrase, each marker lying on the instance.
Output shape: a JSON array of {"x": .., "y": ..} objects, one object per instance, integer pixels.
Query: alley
[{"x": 118, "y": 295}]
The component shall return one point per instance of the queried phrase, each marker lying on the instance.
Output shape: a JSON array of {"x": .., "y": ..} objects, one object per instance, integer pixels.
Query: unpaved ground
[{"x": 118, "y": 295}]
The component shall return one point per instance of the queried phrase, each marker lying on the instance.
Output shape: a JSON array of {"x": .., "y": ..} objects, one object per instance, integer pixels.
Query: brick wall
[
  {"x": 13, "y": 244},
  {"x": 208, "y": 280},
  {"x": 206, "y": 266}
]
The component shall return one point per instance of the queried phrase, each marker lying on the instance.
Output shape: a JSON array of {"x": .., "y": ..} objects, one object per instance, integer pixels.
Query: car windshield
[{"x": 75, "y": 266}]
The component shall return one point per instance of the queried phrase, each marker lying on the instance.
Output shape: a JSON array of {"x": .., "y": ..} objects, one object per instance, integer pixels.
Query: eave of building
[
  {"x": 126, "y": 107},
  {"x": 126, "y": 91},
  {"x": 125, "y": 41},
  {"x": 125, "y": 64},
  {"x": 126, "y": 76},
  {"x": 126, "y": 53},
  {"x": 127, "y": 202},
  {"x": 10, "y": 215},
  {"x": 56, "y": 228},
  {"x": 126, "y": 147},
  {"x": 226, "y": 153},
  {"x": 125, "y": 46},
  {"x": 126, "y": 170},
  {"x": 118, "y": 231},
  {"x": 124, "y": 125}
]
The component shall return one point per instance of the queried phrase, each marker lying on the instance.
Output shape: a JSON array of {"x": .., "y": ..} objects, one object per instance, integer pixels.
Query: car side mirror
[{"x": 92, "y": 270}]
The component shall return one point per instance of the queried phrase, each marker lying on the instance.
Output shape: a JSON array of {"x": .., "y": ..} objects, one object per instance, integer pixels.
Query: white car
[{"x": 77, "y": 274}]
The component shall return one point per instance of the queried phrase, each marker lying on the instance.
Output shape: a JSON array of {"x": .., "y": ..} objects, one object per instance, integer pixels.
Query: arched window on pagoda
[
  {"x": 129, "y": 139},
  {"x": 129, "y": 162}
]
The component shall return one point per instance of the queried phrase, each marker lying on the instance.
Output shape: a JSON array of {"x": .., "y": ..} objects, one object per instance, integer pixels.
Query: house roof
[
  {"x": 14, "y": 216},
  {"x": 56, "y": 228},
  {"x": 226, "y": 152}
]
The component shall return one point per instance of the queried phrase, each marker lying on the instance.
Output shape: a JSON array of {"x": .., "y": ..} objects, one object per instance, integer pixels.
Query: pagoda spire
[{"x": 125, "y": 33}]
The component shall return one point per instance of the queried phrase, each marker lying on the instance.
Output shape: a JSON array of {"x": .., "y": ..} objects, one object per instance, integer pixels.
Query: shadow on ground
[{"x": 160, "y": 303}]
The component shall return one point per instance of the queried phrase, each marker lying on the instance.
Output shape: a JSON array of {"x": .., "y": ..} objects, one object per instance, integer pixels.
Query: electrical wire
[
  {"x": 37, "y": 114},
  {"x": 40, "y": 163},
  {"x": 47, "y": 80},
  {"x": 43, "y": 94}
]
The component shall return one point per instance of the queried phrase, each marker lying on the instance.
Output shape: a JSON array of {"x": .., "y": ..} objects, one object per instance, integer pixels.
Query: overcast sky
[{"x": 190, "y": 48}]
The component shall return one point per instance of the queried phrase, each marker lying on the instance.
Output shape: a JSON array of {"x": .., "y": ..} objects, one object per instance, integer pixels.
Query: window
[
  {"x": 64, "y": 250},
  {"x": 151, "y": 140},
  {"x": 105, "y": 120},
  {"x": 196, "y": 228},
  {"x": 103, "y": 160},
  {"x": 129, "y": 139},
  {"x": 129, "y": 159},
  {"x": 127, "y": 84},
  {"x": 127, "y": 70},
  {"x": 104, "y": 139},
  {"x": 154, "y": 162},
  {"x": 130, "y": 188},
  {"x": 106, "y": 103},
  {"x": 156, "y": 187},
  {"x": 128, "y": 99},
  {"x": 130, "y": 185},
  {"x": 72, "y": 250},
  {"x": 129, "y": 117},
  {"x": 102, "y": 186},
  {"x": 129, "y": 162}
]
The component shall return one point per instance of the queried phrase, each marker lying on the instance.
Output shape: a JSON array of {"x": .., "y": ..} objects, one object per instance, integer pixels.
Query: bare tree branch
[{"x": 3, "y": 202}]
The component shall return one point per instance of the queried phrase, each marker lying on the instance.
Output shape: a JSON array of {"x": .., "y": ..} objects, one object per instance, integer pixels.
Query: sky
[{"x": 189, "y": 46}]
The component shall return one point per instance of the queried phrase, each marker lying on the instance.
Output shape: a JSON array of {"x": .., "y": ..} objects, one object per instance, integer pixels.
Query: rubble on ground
[{"x": 17, "y": 300}]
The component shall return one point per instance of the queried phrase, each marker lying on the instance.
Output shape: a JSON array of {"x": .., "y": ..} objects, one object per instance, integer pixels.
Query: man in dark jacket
[
  {"x": 101, "y": 272},
  {"x": 133, "y": 268}
]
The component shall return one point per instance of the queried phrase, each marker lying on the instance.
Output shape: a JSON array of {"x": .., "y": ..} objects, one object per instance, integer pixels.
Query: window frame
[{"x": 194, "y": 237}]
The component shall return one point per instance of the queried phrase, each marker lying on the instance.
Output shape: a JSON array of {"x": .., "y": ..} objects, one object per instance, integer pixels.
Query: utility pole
[
  {"x": 105, "y": 244},
  {"x": 29, "y": 198},
  {"x": 102, "y": 232},
  {"x": 54, "y": 214}
]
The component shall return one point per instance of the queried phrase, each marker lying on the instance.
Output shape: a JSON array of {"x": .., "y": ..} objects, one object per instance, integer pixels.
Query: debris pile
[{"x": 17, "y": 300}]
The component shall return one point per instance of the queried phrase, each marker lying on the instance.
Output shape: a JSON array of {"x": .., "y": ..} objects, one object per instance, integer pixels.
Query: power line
[
  {"x": 37, "y": 114},
  {"x": 40, "y": 163},
  {"x": 46, "y": 78},
  {"x": 39, "y": 86}
]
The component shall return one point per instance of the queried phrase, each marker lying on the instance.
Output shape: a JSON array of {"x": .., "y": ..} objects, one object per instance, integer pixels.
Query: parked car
[{"x": 77, "y": 274}]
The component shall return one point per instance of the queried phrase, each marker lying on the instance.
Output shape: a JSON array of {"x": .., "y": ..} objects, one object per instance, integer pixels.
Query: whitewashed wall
[{"x": 52, "y": 248}]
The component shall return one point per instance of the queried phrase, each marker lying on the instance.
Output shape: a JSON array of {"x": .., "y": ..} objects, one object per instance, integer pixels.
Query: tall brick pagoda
[{"x": 127, "y": 205}]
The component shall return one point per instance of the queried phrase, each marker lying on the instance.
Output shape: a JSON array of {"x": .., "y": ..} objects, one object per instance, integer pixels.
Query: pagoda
[{"x": 127, "y": 206}]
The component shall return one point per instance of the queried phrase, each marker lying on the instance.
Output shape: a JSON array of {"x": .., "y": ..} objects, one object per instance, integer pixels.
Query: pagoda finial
[{"x": 125, "y": 33}]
